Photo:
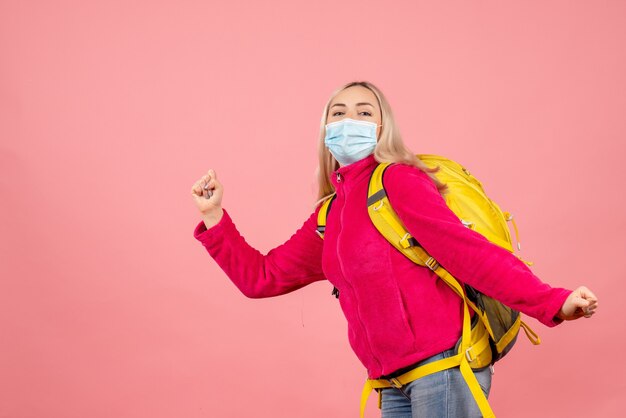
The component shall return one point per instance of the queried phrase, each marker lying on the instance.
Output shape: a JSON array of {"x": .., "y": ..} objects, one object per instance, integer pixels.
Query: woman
[{"x": 399, "y": 314}]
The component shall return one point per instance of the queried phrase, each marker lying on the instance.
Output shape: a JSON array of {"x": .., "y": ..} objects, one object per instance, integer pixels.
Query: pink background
[{"x": 110, "y": 110}]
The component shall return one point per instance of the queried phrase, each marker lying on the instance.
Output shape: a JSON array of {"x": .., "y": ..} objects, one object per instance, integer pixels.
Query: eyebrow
[{"x": 358, "y": 104}]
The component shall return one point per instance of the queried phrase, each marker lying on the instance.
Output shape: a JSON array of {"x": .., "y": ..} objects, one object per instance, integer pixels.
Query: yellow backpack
[{"x": 495, "y": 327}]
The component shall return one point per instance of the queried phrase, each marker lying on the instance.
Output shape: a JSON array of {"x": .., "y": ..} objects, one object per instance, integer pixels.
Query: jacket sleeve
[
  {"x": 287, "y": 267},
  {"x": 466, "y": 254}
]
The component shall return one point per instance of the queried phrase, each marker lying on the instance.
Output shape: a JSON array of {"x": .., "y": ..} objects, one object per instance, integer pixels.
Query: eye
[
  {"x": 368, "y": 113},
  {"x": 336, "y": 113}
]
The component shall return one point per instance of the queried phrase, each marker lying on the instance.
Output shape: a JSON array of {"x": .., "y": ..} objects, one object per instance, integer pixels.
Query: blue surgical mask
[{"x": 350, "y": 140}]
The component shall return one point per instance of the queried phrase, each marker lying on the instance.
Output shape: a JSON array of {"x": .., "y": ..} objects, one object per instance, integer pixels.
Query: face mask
[{"x": 350, "y": 140}]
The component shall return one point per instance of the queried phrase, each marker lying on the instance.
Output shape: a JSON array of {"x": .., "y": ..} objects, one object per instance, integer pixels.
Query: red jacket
[{"x": 398, "y": 313}]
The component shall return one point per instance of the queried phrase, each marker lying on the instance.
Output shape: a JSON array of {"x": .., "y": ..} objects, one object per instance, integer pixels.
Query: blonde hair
[{"x": 390, "y": 147}]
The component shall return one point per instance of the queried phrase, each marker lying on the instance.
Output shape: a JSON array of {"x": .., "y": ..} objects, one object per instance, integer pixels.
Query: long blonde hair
[{"x": 390, "y": 147}]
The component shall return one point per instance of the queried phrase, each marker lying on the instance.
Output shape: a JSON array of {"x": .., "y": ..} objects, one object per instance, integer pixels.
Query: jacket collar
[{"x": 355, "y": 171}]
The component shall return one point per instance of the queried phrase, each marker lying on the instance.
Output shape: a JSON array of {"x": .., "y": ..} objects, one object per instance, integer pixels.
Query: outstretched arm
[{"x": 472, "y": 258}]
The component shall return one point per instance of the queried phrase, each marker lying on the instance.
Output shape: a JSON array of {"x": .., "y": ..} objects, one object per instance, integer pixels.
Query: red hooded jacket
[{"x": 398, "y": 313}]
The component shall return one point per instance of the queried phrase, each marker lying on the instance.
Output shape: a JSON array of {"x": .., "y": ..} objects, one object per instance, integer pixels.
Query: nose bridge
[{"x": 350, "y": 113}]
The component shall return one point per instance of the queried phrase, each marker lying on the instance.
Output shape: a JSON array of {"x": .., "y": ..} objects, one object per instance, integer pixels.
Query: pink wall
[{"x": 109, "y": 112}]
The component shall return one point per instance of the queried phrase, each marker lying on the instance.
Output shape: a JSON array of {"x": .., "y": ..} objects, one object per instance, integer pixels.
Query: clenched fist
[
  {"x": 581, "y": 302},
  {"x": 207, "y": 194}
]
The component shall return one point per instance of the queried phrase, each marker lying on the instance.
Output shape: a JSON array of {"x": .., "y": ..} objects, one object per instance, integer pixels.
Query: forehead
[{"x": 355, "y": 94}]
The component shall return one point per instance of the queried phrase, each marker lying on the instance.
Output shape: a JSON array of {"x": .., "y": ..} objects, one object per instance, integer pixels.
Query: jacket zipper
[{"x": 348, "y": 283}]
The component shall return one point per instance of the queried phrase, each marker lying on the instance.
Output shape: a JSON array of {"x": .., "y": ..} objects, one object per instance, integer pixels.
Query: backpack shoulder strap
[
  {"x": 322, "y": 215},
  {"x": 385, "y": 218},
  {"x": 389, "y": 224}
]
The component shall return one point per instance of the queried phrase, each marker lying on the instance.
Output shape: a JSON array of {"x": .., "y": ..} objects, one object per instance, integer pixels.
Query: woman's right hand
[{"x": 207, "y": 194}]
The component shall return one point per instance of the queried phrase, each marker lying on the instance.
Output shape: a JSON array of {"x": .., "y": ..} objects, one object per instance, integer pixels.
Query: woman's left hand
[{"x": 581, "y": 302}]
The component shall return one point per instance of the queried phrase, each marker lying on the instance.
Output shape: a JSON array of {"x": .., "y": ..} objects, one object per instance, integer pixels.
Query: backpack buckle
[
  {"x": 404, "y": 241},
  {"x": 395, "y": 383},
  {"x": 432, "y": 264},
  {"x": 380, "y": 205}
]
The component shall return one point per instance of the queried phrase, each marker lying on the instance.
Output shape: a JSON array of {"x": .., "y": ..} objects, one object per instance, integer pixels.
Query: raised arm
[
  {"x": 290, "y": 266},
  {"x": 466, "y": 254}
]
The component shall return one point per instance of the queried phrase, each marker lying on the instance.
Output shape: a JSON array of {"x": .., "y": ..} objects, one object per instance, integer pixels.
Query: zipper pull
[
  {"x": 338, "y": 178},
  {"x": 509, "y": 218}
]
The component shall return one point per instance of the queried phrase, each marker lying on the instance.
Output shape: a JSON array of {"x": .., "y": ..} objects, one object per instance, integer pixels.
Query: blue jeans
[{"x": 440, "y": 395}]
